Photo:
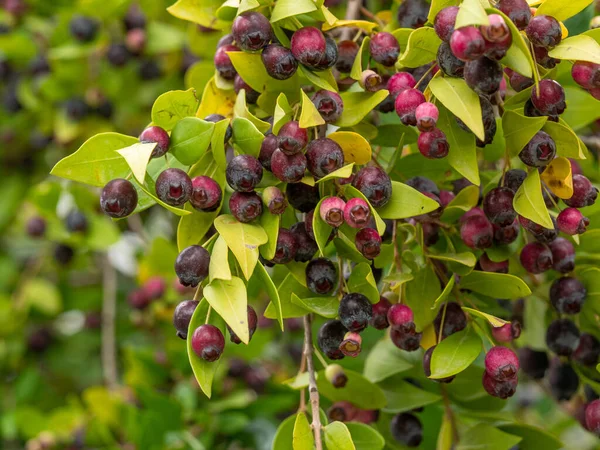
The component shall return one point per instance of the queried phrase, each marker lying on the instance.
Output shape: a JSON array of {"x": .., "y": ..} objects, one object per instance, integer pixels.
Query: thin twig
[
  {"x": 312, "y": 383},
  {"x": 109, "y": 306},
  {"x": 320, "y": 357},
  {"x": 450, "y": 415},
  {"x": 365, "y": 12},
  {"x": 352, "y": 13}
]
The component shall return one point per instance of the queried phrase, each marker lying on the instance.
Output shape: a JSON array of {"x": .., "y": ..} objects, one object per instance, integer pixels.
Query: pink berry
[
  {"x": 592, "y": 417},
  {"x": 308, "y": 46},
  {"x": 444, "y": 22},
  {"x": 399, "y": 82},
  {"x": 536, "y": 257},
  {"x": 487, "y": 265},
  {"x": 399, "y": 315},
  {"x": 586, "y": 74},
  {"x": 406, "y": 105},
  {"x": 497, "y": 30},
  {"x": 357, "y": 213},
  {"x": 549, "y": 99},
  {"x": 384, "y": 48},
  {"x": 477, "y": 232},
  {"x": 571, "y": 221},
  {"x": 507, "y": 332},
  {"x": 332, "y": 211},
  {"x": 433, "y": 144},
  {"x": 467, "y": 43},
  {"x": 427, "y": 115},
  {"x": 501, "y": 363}
]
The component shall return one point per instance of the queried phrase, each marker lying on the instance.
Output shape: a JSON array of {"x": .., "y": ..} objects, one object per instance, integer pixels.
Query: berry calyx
[
  {"x": 174, "y": 187},
  {"x": 251, "y": 31},
  {"x": 332, "y": 211},
  {"x": 321, "y": 276},
  {"x": 355, "y": 311},
  {"x": 351, "y": 345},
  {"x": 119, "y": 198},
  {"x": 324, "y": 156},
  {"x": 368, "y": 243},
  {"x": 208, "y": 342},
  {"x": 191, "y": 265},
  {"x": 497, "y": 30},
  {"x": 245, "y": 206},
  {"x": 279, "y": 61},
  {"x": 357, "y": 213}
]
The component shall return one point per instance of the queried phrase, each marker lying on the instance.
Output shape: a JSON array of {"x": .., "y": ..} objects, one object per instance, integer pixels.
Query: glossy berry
[
  {"x": 279, "y": 61},
  {"x": 274, "y": 200},
  {"x": 534, "y": 363},
  {"x": 245, "y": 206},
  {"x": 544, "y": 31},
  {"x": 321, "y": 276},
  {"x": 286, "y": 247},
  {"x": 588, "y": 351},
  {"x": 454, "y": 321},
  {"x": 159, "y": 135},
  {"x": 517, "y": 81},
  {"x": 406, "y": 338},
  {"x": 517, "y": 10},
  {"x": 36, "y": 227},
  {"x": 308, "y": 46},
  {"x": 355, "y": 311},
  {"x": 567, "y": 295},
  {"x": 375, "y": 184},
  {"x": 536, "y": 258},
  {"x": 324, "y": 156},
  {"x": 368, "y": 243},
  {"x": 586, "y": 74},
  {"x": 407, "y": 429},
  {"x": 206, "y": 194},
  {"x": 427, "y": 115},
  {"x": 406, "y": 105},
  {"x": 174, "y": 187},
  {"x": 506, "y": 235},
  {"x": 487, "y": 265},
  {"x": 329, "y": 104},
  {"x": 500, "y": 389},
  {"x": 243, "y": 173},
  {"x": 444, "y": 22},
  {"x": 507, "y": 332},
  {"x": 208, "y": 342},
  {"x": 351, "y": 345},
  {"x": 251, "y": 31},
  {"x": 539, "y": 151},
  {"x": 191, "y": 265},
  {"x": 592, "y": 417},
  {"x": 267, "y": 148},
  {"x": 584, "y": 193},
  {"x": 562, "y": 337},
  {"x": 449, "y": 64},
  {"x": 302, "y": 197},
  {"x": 549, "y": 99},
  {"x": 329, "y": 57},
  {"x": 400, "y": 316},
  {"x": 477, "y": 232},
  {"x": 563, "y": 380},
  {"x": 433, "y": 144},
  {"x": 84, "y": 29},
  {"x": 571, "y": 221},
  {"x": 336, "y": 376},
  {"x": 357, "y": 213},
  {"x": 399, "y": 82},
  {"x": 223, "y": 63},
  {"x": 252, "y": 323},
  {"x": 332, "y": 211},
  {"x": 498, "y": 206},
  {"x": 513, "y": 179},
  {"x": 288, "y": 168},
  {"x": 379, "y": 320},
  {"x": 347, "y": 51},
  {"x": 384, "y": 48},
  {"x": 467, "y": 43},
  {"x": 501, "y": 363},
  {"x": 331, "y": 334},
  {"x": 182, "y": 315},
  {"x": 563, "y": 255},
  {"x": 427, "y": 366},
  {"x": 483, "y": 75},
  {"x": 291, "y": 139}
]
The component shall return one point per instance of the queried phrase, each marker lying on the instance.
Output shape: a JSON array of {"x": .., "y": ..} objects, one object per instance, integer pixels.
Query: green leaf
[
  {"x": 462, "y": 155},
  {"x": 321, "y": 229},
  {"x": 202, "y": 13},
  {"x": 303, "y": 438},
  {"x": 203, "y": 371},
  {"x": 337, "y": 436},
  {"x": 219, "y": 261},
  {"x": 357, "y": 105},
  {"x": 403, "y": 396},
  {"x": 567, "y": 142},
  {"x": 283, "y": 113},
  {"x": 172, "y": 106},
  {"x": 249, "y": 66},
  {"x": 268, "y": 285},
  {"x": 466, "y": 258},
  {"x": 455, "y": 353},
  {"x": 471, "y": 12},
  {"x": 342, "y": 172},
  {"x": 582, "y": 108},
  {"x": 240, "y": 109},
  {"x": 363, "y": 393},
  {"x": 406, "y": 202},
  {"x": 230, "y": 300},
  {"x": 497, "y": 285},
  {"x": 243, "y": 240},
  {"x": 217, "y": 143},
  {"x": 466, "y": 199},
  {"x": 96, "y": 162},
  {"x": 309, "y": 115},
  {"x": 324, "y": 79},
  {"x": 137, "y": 157},
  {"x": 532, "y": 437},
  {"x": 288, "y": 286},
  {"x": 529, "y": 202},
  {"x": 323, "y": 306},
  {"x": 190, "y": 139},
  {"x": 357, "y": 66},
  {"x": 420, "y": 295},
  {"x": 283, "y": 439},
  {"x": 290, "y": 8},
  {"x": 561, "y": 10},
  {"x": 455, "y": 95},
  {"x": 246, "y": 137},
  {"x": 362, "y": 280},
  {"x": 365, "y": 437},
  {"x": 445, "y": 293},
  {"x": 355, "y": 147},
  {"x": 42, "y": 295},
  {"x": 493, "y": 320},
  {"x": 270, "y": 223},
  {"x": 421, "y": 49},
  {"x": 488, "y": 437},
  {"x": 577, "y": 48},
  {"x": 385, "y": 360},
  {"x": 519, "y": 129}
]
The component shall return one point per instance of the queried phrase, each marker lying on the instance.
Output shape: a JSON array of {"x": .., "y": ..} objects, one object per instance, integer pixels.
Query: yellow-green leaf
[
  {"x": 560, "y": 9},
  {"x": 290, "y": 8},
  {"x": 577, "y": 48},
  {"x": 406, "y": 202},
  {"x": 137, "y": 157},
  {"x": 342, "y": 172},
  {"x": 219, "y": 262},
  {"x": 303, "y": 438},
  {"x": 494, "y": 321},
  {"x": 357, "y": 105},
  {"x": 173, "y": 106},
  {"x": 283, "y": 113},
  {"x": 355, "y": 147},
  {"x": 497, "y": 285},
  {"x": 471, "y": 12},
  {"x": 529, "y": 202},
  {"x": 337, "y": 436},
  {"x": 230, "y": 300},
  {"x": 421, "y": 49},
  {"x": 309, "y": 114}
]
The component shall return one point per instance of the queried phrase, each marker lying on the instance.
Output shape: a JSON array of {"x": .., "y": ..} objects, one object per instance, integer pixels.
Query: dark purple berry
[
  {"x": 252, "y": 323},
  {"x": 498, "y": 206},
  {"x": 384, "y": 48},
  {"x": 174, "y": 187},
  {"x": 36, "y": 227},
  {"x": 291, "y": 139},
  {"x": 251, "y": 31},
  {"x": 513, "y": 179},
  {"x": 208, "y": 342},
  {"x": 517, "y": 81},
  {"x": 324, "y": 156},
  {"x": 536, "y": 258},
  {"x": 307, "y": 247},
  {"x": 302, "y": 197},
  {"x": 433, "y": 144},
  {"x": 347, "y": 51},
  {"x": 182, "y": 315},
  {"x": 584, "y": 193},
  {"x": 413, "y": 13},
  {"x": 251, "y": 94},
  {"x": 214, "y": 118},
  {"x": 267, "y": 148},
  {"x": 289, "y": 169},
  {"x": 308, "y": 46},
  {"x": 517, "y": 10},
  {"x": 454, "y": 320},
  {"x": 563, "y": 380},
  {"x": 368, "y": 243},
  {"x": 156, "y": 134},
  {"x": 423, "y": 184},
  {"x": 63, "y": 254},
  {"x": 379, "y": 320},
  {"x": 539, "y": 151},
  {"x": 331, "y": 334},
  {"x": 223, "y": 63},
  {"x": 355, "y": 311},
  {"x": 588, "y": 351},
  {"x": 375, "y": 184},
  {"x": 321, "y": 276},
  {"x": 544, "y": 31},
  {"x": 118, "y": 55},
  {"x": 534, "y": 363},
  {"x": 84, "y": 29},
  {"x": 191, "y": 265},
  {"x": 76, "y": 222},
  {"x": 483, "y": 75},
  {"x": 567, "y": 295},
  {"x": 406, "y": 338},
  {"x": 329, "y": 104},
  {"x": 448, "y": 63},
  {"x": 563, "y": 255},
  {"x": 487, "y": 265},
  {"x": 467, "y": 43},
  {"x": 562, "y": 337},
  {"x": 329, "y": 57},
  {"x": 508, "y": 234},
  {"x": 245, "y": 206},
  {"x": 407, "y": 428},
  {"x": 444, "y": 22},
  {"x": 243, "y": 173},
  {"x": 279, "y": 61},
  {"x": 286, "y": 248}
]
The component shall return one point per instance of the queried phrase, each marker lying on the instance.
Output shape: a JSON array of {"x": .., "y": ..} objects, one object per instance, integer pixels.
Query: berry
[
  {"x": 351, "y": 345},
  {"x": 563, "y": 380},
  {"x": 448, "y": 63},
  {"x": 252, "y": 323},
  {"x": 584, "y": 193},
  {"x": 506, "y": 235},
  {"x": 251, "y": 31},
  {"x": 423, "y": 184},
  {"x": 208, "y": 342},
  {"x": 446, "y": 197},
  {"x": 288, "y": 168},
  {"x": 455, "y": 320},
  {"x": 431, "y": 233},
  {"x": 138, "y": 299},
  {"x": 536, "y": 258},
  {"x": 433, "y": 144},
  {"x": 154, "y": 288},
  {"x": 413, "y": 13},
  {"x": 549, "y": 99},
  {"x": 223, "y": 63},
  {"x": 321, "y": 276},
  {"x": 586, "y": 74},
  {"x": 368, "y": 243},
  {"x": 214, "y": 118},
  {"x": 384, "y": 48},
  {"x": 63, "y": 254},
  {"x": 135, "y": 41},
  {"x": 332, "y": 211},
  {"x": 36, "y": 227},
  {"x": 467, "y": 43},
  {"x": 76, "y": 109},
  {"x": 541, "y": 234},
  {"x": 355, "y": 311},
  {"x": 539, "y": 151},
  {"x": 477, "y": 232},
  {"x": 483, "y": 75},
  {"x": 399, "y": 82},
  {"x": 567, "y": 295},
  {"x": 267, "y": 148},
  {"x": 427, "y": 366},
  {"x": 291, "y": 138},
  {"x": 592, "y": 417},
  {"x": 507, "y": 332},
  {"x": 206, "y": 194},
  {"x": 519, "y": 82},
  {"x": 571, "y": 221},
  {"x": 330, "y": 57},
  {"x": 84, "y": 29},
  {"x": 406, "y": 428},
  {"x": 497, "y": 30},
  {"x": 274, "y": 199},
  {"x": 329, "y": 104},
  {"x": 134, "y": 18},
  {"x": 543, "y": 58},
  {"x": 357, "y": 213},
  {"x": 544, "y": 31},
  {"x": 534, "y": 363},
  {"x": 251, "y": 94},
  {"x": 286, "y": 247},
  {"x": 400, "y": 316},
  {"x": 501, "y": 363},
  {"x": 500, "y": 389},
  {"x": 245, "y": 206},
  {"x": 444, "y": 22},
  {"x": 303, "y": 197},
  {"x": 308, "y": 46},
  {"x": 347, "y": 51},
  {"x": 174, "y": 187},
  {"x": 517, "y": 10},
  {"x": 307, "y": 247},
  {"x": 156, "y": 134},
  {"x": 39, "y": 340},
  {"x": 336, "y": 376},
  {"x": 370, "y": 80},
  {"x": 182, "y": 315},
  {"x": 76, "y": 222},
  {"x": 406, "y": 338},
  {"x": 563, "y": 255},
  {"x": 243, "y": 173},
  {"x": 379, "y": 320},
  {"x": 375, "y": 184},
  {"x": 279, "y": 61},
  {"x": 191, "y": 265},
  {"x": 487, "y": 265},
  {"x": 513, "y": 179},
  {"x": 562, "y": 337},
  {"x": 323, "y": 156},
  {"x": 406, "y": 105},
  {"x": 588, "y": 351},
  {"x": 498, "y": 206},
  {"x": 331, "y": 334},
  {"x": 342, "y": 411},
  {"x": 427, "y": 115},
  {"x": 118, "y": 55}
]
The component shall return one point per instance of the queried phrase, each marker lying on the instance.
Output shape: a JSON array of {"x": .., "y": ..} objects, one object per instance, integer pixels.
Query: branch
[
  {"x": 592, "y": 142},
  {"x": 450, "y": 415},
  {"x": 109, "y": 304},
  {"x": 312, "y": 383},
  {"x": 352, "y": 13}
]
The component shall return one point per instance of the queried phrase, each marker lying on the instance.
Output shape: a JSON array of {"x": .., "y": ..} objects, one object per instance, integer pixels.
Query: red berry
[
  {"x": 477, "y": 232},
  {"x": 289, "y": 169},
  {"x": 357, "y": 213},
  {"x": 508, "y": 234},
  {"x": 208, "y": 342},
  {"x": 507, "y": 332},
  {"x": 592, "y": 417},
  {"x": 517, "y": 10},
  {"x": 380, "y": 311},
  {"x": 517, "y": 81},
  {"x": 267, "y": 148},
  {"x": 501, "y": 363},
  {"x": 467, "y": 43},
  {"x": 500, "y": 389},
  {"x": 308, "y": 46},
  {"x": 571, "y": 221},
  {"x": 433, "y": 144},
  {"x": 406, "y": 105},
  {"x": 375, "y": 184},
  {"x": 291, "y": 138},
  {"x": 549, "y": 99},
  {"x": 544, "y": 31},
  {"x": 245, "y": 206},
  {"x": 252, "y": 31},
  {"x": 444, "y": 22},
  {"x": 324, "y": 156},
  {"x": 384, "y": 48},
  {"x": 223, "y": 63},
  {"x": 498, "y": 206},
  {"x": 584, "y": 193},
  {"x": 586, "y": 74},
  {"x": 368, "y": 243},
  {"x": 487, "y": 265},
  {"x": 279, "y": 61},
  {"x": 251, "y": 94},
  {"x": 399, "y": 82},
  {"x": 347, "y": 51},
  {"x": 427, "y": 115},
  {"x": 536, "y": 257},
  {"x": 399, "y": 316},
  {"x": 206, "y": 194},
  {"x": 158, "y": 135},
  {"x": 588, "y": 351}
]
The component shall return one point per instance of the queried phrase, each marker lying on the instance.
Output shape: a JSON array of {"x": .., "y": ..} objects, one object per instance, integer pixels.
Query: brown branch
[
  {"x": 109, "y": 305},
  {"x": 352, "y": 13},
  {"x": 312, "y": 382}
]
